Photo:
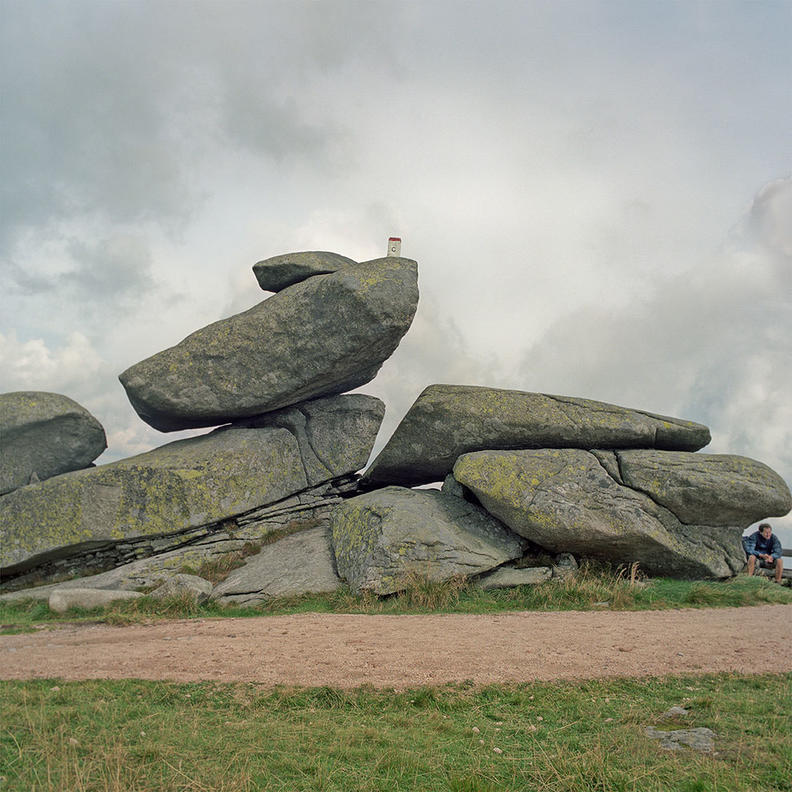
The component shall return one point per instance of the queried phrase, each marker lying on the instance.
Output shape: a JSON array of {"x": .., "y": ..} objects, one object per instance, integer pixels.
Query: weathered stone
[
  {"x": 385, "y": 537},
  {"x": 699, "y": 739},
  {"x": 276, "y": 273},
  {"x": 565, "y": 566},
  {"x": 323, "y": 336},
  {"x": 145, "y": 562},
  {"x": 187, "y": 586},
  {"x": 447, "y": 421},
  {"x": 565, "y": 501},
  {"x": 43, "y": 435},
  {"x": 508, "y": 576},
  {"x": 335, "y": 434},
  {"x": 61, "y": 600},
  {"x": 675, "y": 712},
  {"x": 298, "y": 564},
  {"x": 715, "y": 489},
  {"x": 188, "y": 483},
  {"x": 452, "y": 487}
]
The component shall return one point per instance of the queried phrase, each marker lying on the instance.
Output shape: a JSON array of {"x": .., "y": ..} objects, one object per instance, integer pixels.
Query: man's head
[{"x": 766, "y": 530}]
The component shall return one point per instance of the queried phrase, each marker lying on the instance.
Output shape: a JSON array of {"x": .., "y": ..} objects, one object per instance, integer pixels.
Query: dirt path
[{"x": 403, "y": 651}]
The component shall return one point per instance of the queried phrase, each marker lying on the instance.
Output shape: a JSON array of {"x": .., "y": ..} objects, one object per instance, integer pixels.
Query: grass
[
  {"x": 592, "y": 588},
  {"x": 551, "y": 737}
]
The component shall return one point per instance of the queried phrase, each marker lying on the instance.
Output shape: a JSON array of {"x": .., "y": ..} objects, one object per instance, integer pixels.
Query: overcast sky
[{"x": 599, "y": 195}]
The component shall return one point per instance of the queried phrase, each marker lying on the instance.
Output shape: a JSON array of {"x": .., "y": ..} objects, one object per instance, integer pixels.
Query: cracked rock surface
[
  {"x": 322, "y": 336},
  {"x": 447, "y": 421},
  {"x": 570, "y": 500},
  {"x": 188, "y": 483},
  {"x": 385, "y": 536}
]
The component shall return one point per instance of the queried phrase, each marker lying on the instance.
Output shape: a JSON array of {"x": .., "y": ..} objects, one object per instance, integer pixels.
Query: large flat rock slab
[
  {"x": 566, "y": 500},
  {"x": 716, "y": 489},
  {"x": 325, "y": 335},
  {"x": 43, "y": 435},
  {"x": 190, "y": 482},
  {"x": 386, "y": 537},
  {"x": 276, "y": 273},
  {"x": 447, "y": 421}
]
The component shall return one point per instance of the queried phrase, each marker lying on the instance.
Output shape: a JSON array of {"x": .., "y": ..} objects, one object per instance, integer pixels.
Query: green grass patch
[
  {"x": 592, "y": 588},
  {"x": 550, "y": 737}
]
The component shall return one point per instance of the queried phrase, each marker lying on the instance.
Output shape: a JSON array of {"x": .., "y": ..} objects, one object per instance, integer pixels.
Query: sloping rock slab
[
  {"x": 385, "y": 537},
  {"x": 716, "y": 489},
  {"x": 43, "y": 435},
  {"x": 276, "y": 273},
  {"x": 325, "y": 335},
  {"x": 146, "y": 561},
  {"x": 565, "y": 500},
  {"x": 187, "y": 483},
  {"x": 298, "y": 564},
  {"x": 447, "y": 421}
]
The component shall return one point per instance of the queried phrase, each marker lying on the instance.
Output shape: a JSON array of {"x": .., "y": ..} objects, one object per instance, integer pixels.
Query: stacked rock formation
[
  {"x": 276, "y": 487},
  {"x": 579, "y": 476},
  {"x": 320, "y": 336},
  {"x": 287, "y": 449}
]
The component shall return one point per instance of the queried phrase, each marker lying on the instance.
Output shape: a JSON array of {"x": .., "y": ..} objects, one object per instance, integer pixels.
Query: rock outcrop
[
  {"x": 43, "y": 435},
  {"x": 567, "y": 500},
  {"x": 325, "y": 335},
  {"x": 447, "y": 421},
  {"x": 274, "y": 498},
  {"x": 383, "y": 538},
  {"x": 189, "y": 483},
  {"x": 276, "y": 273}
]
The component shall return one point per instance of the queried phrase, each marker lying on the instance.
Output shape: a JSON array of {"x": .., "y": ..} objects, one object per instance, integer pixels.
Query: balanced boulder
[
  {"x": 385, "y": 537},
  {"x": 567, "y": 500},
  {"x": 278, "y": 272},
  {"x": 189, "y": 482},
  {"x": 43, "y": 435},
  {"x": 325, "y": 335},
  {"x": 447, "y": 421}
]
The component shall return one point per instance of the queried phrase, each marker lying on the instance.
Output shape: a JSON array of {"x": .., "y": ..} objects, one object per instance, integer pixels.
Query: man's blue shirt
[{"x": 757, "y": 545}]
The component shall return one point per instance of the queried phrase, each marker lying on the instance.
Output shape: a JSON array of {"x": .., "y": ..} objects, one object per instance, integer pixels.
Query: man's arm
[
  {"x": 749, "y": 543},
  {"x": 777, "y": 549}
]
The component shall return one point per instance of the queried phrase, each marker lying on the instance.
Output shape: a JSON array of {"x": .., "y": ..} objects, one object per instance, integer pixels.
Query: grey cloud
[
  {"x": 769, "y": 222},
  {"x": 115, "y": 270},
  {"x": 109, "y": 110}
]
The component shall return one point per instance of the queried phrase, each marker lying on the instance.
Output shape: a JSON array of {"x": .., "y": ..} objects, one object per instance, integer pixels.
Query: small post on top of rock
[{"x": 394, "y": 246}]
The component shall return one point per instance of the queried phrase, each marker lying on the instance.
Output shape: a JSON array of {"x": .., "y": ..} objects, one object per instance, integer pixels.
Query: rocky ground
[{"x": 404, "y": 651}]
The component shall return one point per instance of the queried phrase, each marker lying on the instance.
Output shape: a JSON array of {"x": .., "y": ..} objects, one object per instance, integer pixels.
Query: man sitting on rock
[{"x": 766, "y": 547}]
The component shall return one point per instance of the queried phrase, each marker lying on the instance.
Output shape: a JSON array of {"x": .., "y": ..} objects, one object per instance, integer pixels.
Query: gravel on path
[{"x": 404, "y": 651}]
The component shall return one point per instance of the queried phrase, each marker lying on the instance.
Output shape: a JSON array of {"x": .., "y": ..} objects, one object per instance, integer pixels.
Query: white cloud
[{"x": 32, "y": 365}]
